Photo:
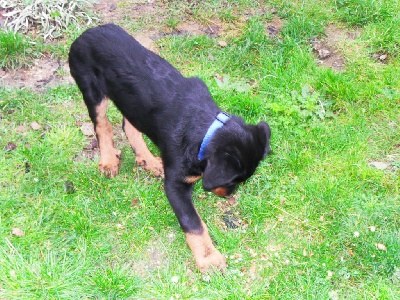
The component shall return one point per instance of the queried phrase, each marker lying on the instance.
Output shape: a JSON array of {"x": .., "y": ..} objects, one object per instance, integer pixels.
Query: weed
[
  {"x": 362, "y": 12},
  {"x": 51, "y": 17},
  {"x": 384, "y": 36},
  {"x": 15, "y": 50},
  {"x": 302, "y": 108}
]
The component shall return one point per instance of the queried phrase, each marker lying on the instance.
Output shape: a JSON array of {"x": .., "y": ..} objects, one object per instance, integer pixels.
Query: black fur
[{"x": 173, "y": 111}]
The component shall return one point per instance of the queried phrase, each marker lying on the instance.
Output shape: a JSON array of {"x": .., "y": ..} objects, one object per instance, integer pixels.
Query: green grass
[
  {"x": 19, "y": 51},
  {"x": 14, "y": 50},
  {"x": 311, "y": 216}
]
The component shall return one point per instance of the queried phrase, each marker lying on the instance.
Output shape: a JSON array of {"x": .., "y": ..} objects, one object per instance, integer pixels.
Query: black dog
[{"x": 178, "y": 114}]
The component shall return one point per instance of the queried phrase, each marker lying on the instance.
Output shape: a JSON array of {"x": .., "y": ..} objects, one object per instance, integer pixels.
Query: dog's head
[{"x": 234, "y": 154}]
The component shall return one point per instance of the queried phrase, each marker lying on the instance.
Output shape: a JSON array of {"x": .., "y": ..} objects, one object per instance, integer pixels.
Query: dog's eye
[{"x": 233, "y": 160}]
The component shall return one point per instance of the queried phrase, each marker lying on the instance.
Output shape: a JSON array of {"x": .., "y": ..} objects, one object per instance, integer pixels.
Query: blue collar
[{"x": 220, "y": 121}]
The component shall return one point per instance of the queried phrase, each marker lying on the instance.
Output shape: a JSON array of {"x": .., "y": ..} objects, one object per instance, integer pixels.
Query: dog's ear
[
  {"x": 264, "y": 136},
  {"x": 222, "y": 169}
]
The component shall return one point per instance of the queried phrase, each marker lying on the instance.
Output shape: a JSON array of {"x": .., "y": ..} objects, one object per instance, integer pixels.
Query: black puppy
[{"x": 178, "y": 114}]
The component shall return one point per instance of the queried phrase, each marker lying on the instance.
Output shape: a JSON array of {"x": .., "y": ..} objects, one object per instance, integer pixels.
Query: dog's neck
[{"x": 219, "y": 121}]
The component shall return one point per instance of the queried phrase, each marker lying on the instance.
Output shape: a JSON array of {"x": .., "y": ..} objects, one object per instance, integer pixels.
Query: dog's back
[{"x": 107, "y": 62}]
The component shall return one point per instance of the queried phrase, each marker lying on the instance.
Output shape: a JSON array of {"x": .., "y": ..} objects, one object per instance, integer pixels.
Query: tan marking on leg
[
  {"x": 192, "y": 179},
  {"x": 109, "y": 156},
  {"x": 204, "y": 252},
  {"x": 144, "y": 158}
]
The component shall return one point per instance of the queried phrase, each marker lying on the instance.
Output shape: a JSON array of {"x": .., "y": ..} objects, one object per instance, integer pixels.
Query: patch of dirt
[
  {"x": 48, "y": 72},
  {"x": 153, "y": 257},
  {"x": 43, "y": 73},
  {"x": 327, "y": 55},
  {"x": 275, "y": 26},
  {"x": 327, "y": 49},
  {"x": 380, "y": 57},
  {"x": 117, "y": 10},
  {"x": 191, "y": 28}
]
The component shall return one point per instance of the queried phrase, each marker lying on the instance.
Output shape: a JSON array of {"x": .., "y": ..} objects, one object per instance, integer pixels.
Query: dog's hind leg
[
  {"x": 144, "y": 157},
  {"x": 109, "y": 156}
]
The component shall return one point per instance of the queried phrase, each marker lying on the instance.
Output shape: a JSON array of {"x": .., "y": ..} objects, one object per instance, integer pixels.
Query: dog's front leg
[{"x": 180, "y": 196}]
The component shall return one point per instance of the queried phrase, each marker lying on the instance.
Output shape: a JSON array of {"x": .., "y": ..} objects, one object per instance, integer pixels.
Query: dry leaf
[
  {"x": 381, "y": 247},
  {"x": 379, "y": 165},
  {"x": 253, "y": 270},
  {"x": 219, "y": 77},
  {"x": 10, "y": 146},
  {"x": 308, "y": 254},
  {"x": 17, "y": 232},
  {"x": 329, "y": 275},
  {"x": 210, "y": 57},
  {"x": 20, "y": 128},
  {"x": 252, "y": 252},
  {"x": 383, "y": 57},
  {"x": 36, "y": 126},
  {"x": 222, "y": 43},
  {"x": 333, "y": 295},
  {"x": 87, "y": 129}
]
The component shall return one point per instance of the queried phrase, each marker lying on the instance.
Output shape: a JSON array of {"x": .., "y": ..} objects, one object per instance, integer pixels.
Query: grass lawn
[{"x": 320, "y": 219}]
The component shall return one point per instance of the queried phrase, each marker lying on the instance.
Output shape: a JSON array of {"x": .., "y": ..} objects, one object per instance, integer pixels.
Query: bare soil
[
  {"x": 275, "y": 26},
  {"x": 327, "y": 49},
  {"x": 43, "y": 73},
  {"x": 48, "y": 72}
]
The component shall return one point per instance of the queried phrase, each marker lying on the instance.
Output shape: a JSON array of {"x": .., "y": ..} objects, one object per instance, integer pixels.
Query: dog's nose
[{"x": 220, "y": 192}]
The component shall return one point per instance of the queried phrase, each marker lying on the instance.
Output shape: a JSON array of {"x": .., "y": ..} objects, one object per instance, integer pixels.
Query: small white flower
[
  {"x": 175, "y": 279},
  {"x": 333, "y": 295}
]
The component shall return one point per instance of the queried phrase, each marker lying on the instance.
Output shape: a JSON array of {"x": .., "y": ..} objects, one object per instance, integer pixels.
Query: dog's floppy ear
[
  {"x": 221, "y": 170},
  {"x": 264, "y": 136}
]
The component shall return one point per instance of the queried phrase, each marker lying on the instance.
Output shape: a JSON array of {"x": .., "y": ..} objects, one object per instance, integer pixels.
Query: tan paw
[
  {"x": 152, "y": 164},
  {"x": 214, "y": 260},
  {"x": 109, "y": 165},
  {"x": 206, "y": 255}
]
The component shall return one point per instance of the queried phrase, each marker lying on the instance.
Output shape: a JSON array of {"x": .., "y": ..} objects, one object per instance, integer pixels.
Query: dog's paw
[
  {"x": 213, "y": 261},
  {"x": 109, "y": 165},
  {"x": 152, "y": 164},
  {"x": 207, "y": 257}
]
